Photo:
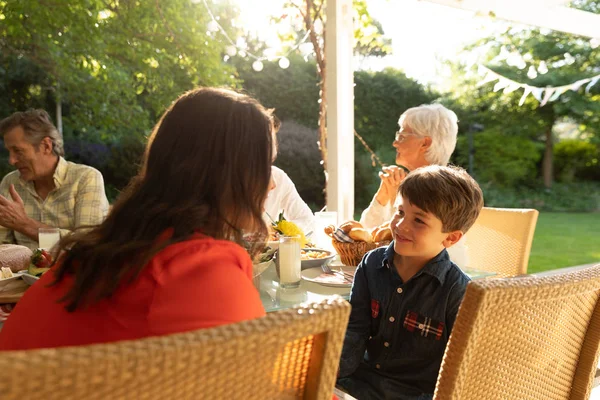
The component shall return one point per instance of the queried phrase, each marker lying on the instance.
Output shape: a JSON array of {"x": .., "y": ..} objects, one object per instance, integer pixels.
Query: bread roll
[
  {"x": 374, "y": 232},
  {"x": 347, "y": 226},
  {"x": 360, "y": 235},
  {"x": 384, "y": 234},
  {"x": 329, "y": 230},
  {"x": 14, "y": 257}
]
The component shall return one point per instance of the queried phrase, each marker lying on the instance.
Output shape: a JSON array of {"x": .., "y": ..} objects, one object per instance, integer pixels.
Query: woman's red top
[{"x": 199, "y": 283}]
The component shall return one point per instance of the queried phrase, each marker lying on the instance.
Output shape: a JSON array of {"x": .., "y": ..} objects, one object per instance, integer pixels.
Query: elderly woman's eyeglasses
[{"x": 401, "y": 136}]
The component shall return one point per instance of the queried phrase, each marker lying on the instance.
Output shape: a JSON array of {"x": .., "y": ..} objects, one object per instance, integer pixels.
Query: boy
[{"x": 405, "y": 297}]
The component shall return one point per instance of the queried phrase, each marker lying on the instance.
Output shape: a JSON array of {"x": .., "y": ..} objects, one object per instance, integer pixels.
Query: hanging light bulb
[
  {"x": 230, "y": 50},
  {"x": 284, "y": 62},
  {"x": 569, "y": 59},
  {"x": 532, "y": 73},
  {"x": 257, "y": 65},
  {"x": 213, "y": 26},
  {"x": 542, "y": 68}
]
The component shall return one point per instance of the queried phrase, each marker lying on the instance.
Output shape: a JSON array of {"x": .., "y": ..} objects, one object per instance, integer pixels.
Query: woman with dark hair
[{"x": 168, "y": 258}]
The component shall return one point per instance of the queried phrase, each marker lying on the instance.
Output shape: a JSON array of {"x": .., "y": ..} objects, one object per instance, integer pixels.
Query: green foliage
[
  {"x": 293, "y": 92},
  {"x": 115, "y": 66},
  {"x": 379, "y": 99},
  {"x": 500, "y": 159},
  {"x": 569, "y": 58},
  {"x": 299, "y": 156},
  {"x": 563, "y": 197},
  {"x": 576, "y": 159},
  {"x": 125, "y": 160}
]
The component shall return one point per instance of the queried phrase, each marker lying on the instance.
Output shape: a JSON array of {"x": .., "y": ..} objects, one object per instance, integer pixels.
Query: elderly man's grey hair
[
  {"x": 437, "y": 122},
  {"x": 37, "y": 125}
]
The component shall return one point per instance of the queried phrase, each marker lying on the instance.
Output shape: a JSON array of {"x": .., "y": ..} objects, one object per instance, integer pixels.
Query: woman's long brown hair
[{"x": 206, "y": 169}]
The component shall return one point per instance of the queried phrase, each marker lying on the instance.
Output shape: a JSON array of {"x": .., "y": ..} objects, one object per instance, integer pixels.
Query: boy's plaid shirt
[
  {"x": 78, "y": 200},
  {"x": 398, "y": 330}
]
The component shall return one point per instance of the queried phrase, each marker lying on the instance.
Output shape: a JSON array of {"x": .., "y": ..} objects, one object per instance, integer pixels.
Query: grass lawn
[{"x": 564, "y": 240}]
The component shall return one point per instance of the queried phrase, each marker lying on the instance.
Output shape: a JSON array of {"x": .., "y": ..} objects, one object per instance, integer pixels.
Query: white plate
[
  {"x": 316, "y": 275},
  {"x": 5, "y": 281},
  {"x": 29, "y": 279}
]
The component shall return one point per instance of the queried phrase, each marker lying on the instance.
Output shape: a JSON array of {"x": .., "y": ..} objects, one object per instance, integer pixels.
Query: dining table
[{"x": 275, "y": 298}]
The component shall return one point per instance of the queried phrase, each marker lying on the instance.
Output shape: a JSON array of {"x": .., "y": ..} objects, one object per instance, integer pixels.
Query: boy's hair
[{"x": 449, "y": 193}]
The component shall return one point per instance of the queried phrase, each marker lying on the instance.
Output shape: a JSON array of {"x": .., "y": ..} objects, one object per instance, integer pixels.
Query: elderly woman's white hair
[{"x": 437, "y": 122}]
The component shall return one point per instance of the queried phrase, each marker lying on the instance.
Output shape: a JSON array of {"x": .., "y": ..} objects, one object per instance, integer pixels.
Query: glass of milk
[
  {"x": 289, "y": 262},
  {"x": 48, "y": 237}
]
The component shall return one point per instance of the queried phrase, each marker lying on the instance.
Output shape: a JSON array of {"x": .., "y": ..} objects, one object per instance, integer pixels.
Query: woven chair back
[
  {"x": 500, "y": 240},
  {"x": 527, "y": 338},
  {"x": 290, "y": 354}
]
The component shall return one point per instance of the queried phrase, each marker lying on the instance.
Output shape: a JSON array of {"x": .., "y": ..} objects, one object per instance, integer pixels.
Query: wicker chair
[
  {"x": 291, "y": 354},
  {"x": 500, "y": 240},
  {"x": 524, "y": 338}
]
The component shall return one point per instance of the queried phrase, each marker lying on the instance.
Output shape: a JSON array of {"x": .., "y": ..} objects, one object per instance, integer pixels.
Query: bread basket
[{"x": 352, "y": 253}]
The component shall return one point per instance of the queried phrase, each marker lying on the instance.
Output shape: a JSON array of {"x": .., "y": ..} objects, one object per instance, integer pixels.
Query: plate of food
[
  {"x": 312, "y": 258},
  {"x": 6, "y": 276},
  {"x": 263, "y": 261},
  {"x": 342, "y": 276},
  {"x": 40, "y": 263}
]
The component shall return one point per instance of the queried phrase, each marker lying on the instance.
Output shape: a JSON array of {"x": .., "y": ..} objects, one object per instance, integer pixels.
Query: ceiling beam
[{"x": 544, "y": 14}]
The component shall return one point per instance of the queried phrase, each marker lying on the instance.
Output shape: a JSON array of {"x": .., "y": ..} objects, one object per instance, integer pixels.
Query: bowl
[
  {"x": 259, "y": 268},
  {"x": 316, "y": 262},
  {"x": 29, "y": 279}
]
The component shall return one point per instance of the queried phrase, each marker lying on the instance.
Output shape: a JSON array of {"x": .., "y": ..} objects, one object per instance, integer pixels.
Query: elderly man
[{"x": 46, "y": 190}]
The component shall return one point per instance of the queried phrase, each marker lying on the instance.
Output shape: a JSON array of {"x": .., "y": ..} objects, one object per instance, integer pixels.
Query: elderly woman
[{"x": 427, "y": 136}]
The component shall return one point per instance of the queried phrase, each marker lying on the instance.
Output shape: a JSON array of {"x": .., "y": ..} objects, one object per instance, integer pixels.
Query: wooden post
[{"x": 339, "y": 37}]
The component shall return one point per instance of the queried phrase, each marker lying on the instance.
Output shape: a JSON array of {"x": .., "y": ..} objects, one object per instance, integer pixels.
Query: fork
[{"x": 327, "y": 269}]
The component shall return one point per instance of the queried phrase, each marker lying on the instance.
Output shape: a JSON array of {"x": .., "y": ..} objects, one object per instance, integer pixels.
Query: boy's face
[{"x": 419, "y": 233}]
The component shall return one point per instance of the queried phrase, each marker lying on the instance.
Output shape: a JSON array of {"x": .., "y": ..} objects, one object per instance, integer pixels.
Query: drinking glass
[
  {"x": 48, "y": 237},
  {"x": 289, "y": 262}
]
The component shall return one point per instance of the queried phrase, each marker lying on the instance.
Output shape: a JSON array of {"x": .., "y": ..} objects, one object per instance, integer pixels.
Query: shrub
[
  {"x": 125, "y": 160},
  {"x": 575, "y": 158},
  {"x": 500, "y": 160},
  {"x": 300, "y": 158},
  {"x": 563, "y": 197},
  {"x": 80, "y": 151}
]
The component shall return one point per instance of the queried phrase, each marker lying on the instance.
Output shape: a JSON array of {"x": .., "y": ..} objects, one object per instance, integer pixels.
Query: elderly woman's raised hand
[{"x": 390, "y": 181}]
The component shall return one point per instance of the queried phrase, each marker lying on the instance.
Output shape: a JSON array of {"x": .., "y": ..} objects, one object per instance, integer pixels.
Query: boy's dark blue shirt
[{"x": 403, "y": 326}]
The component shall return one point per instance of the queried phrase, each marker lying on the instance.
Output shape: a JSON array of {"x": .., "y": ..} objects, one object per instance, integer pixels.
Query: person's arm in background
[
  {"x": 91, "y": 204},
  {"x": 7, "y": 236},
  {"x": 294, "y": 208},
  {"x": 376, "y": 214},
  {"x": 359, "y": 325},
  {"x": 381, "y": 208}
]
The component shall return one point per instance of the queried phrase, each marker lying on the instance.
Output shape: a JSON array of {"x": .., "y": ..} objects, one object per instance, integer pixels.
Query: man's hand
[
  {"x": 12, "y": 212},
  {"x": 391, "y": 177}
]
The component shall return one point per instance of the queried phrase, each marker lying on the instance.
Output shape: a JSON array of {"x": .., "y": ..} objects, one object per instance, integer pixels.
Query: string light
[
  {"x": 257, "y": 65},
  {"x": 240, "y": 46}
]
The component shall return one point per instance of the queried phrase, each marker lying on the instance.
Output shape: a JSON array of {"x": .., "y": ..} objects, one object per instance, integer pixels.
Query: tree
[
  {"x": 115, "y": 65},
  {"x": 368, "y": 40},
  {"x": 568, "y": 58}
]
